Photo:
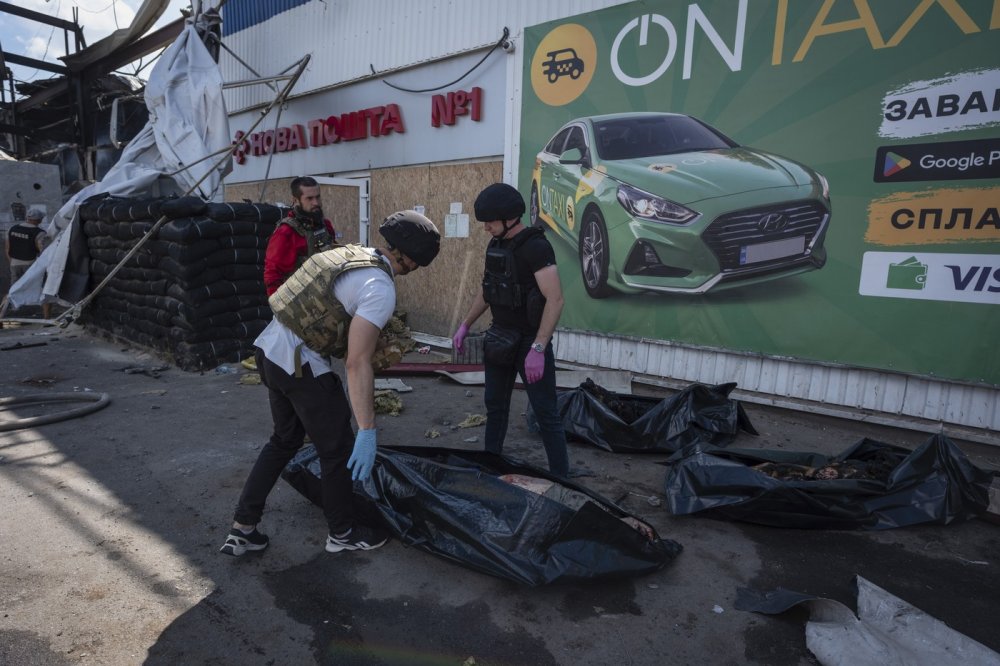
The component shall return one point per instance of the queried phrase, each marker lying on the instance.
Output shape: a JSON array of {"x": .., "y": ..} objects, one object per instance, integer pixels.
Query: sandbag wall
[{"x": 195, "y": 291}]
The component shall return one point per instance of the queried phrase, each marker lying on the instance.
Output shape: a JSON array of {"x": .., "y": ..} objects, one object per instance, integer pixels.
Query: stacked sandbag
[{"x": 195, "y": 291}]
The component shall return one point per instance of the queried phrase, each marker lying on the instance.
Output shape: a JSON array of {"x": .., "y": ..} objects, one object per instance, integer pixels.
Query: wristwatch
[{"x": 538, "y": 347}]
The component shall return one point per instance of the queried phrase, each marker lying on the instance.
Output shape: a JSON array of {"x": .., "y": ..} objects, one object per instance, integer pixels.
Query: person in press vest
[
  {"x": 336, "y": 305},
  {"x": 25, "y": 241}
]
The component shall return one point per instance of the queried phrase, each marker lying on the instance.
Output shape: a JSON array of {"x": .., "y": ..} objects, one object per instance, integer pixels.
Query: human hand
[
  {"x": 363, "y": 457},
  {"x": 459, "y": 338},
  {"x": 534, "y": 366}
]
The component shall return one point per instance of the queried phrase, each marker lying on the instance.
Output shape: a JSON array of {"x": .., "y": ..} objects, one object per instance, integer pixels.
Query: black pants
[
  {"x": 314, "y": 405},
  {"x": 500, "y": 381}
]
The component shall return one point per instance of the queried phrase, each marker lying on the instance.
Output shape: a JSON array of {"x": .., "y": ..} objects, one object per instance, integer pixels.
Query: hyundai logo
[{"x": 772, "y": 222}]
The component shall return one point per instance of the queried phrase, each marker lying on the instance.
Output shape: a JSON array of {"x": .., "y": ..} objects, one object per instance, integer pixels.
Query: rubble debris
[
  {"x": 148, "y": 370},
  {"x": 393, "y": 383},
  {"x": 23, "y": 345},
  {"x": 41, "y": 380},
  {"x": 472, "y": 421},
  {"x": 388, "y": 402}
]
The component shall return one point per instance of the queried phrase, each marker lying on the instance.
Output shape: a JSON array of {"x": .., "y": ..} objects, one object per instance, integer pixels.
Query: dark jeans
[
  {"x": 542, "y": 395},
  {"x": 314, "y": 405}
]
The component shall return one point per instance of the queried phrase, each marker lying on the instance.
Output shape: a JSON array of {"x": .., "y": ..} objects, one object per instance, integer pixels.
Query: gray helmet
[
  {"x": 412, "y": 234},
  {"x": 34, "y": 214}
]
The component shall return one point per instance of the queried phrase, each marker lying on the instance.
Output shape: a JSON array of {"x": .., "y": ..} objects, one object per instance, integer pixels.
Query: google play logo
[
  {"x": 894, "y": 164},
  {"x": 941, "y": 160}
]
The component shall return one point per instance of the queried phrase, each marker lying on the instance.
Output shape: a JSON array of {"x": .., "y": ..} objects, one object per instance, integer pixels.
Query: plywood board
[{"x": 437, "y": 298}]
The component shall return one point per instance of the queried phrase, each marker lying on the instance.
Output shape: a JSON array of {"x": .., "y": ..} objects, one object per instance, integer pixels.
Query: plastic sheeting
[
  {"x": 936, "y": 483},
  {"x": 886, "y": 632},
  {"x": 455, "y": 504},
  {"x": 631, "y": 424}
]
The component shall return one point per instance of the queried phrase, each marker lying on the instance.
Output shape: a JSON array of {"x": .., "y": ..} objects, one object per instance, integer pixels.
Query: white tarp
[
  {"x": 187, "y": 122},
  {"x": 886, "y": 631}
]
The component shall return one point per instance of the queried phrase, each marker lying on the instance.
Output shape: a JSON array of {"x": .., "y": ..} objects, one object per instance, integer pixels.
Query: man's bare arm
[
  {"x": 361, "y": 341},
  {"x": 548, "y": 283}
]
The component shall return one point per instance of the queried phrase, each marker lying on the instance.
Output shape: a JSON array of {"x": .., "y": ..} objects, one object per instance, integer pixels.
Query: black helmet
[
  {"x": 412, "y": 234},
  {"x": 499, "y": 201}
]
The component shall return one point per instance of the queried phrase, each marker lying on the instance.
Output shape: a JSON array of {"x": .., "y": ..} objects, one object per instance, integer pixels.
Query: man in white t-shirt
[{"x": 335, "y": 305}]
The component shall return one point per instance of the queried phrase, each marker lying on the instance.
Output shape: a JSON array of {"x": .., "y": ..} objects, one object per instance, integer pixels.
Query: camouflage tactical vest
[{"x": 305, "y": 302}]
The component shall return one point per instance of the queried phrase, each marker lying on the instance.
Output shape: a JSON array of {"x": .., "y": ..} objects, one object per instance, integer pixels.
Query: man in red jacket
[{"x": 303, "y": 233}]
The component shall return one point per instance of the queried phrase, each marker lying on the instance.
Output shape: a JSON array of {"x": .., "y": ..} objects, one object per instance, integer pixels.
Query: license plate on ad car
[{"x": 786, "y": 247}]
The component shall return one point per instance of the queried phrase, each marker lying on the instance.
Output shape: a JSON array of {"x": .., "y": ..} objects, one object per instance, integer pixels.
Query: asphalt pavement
[{"x": 113, "y": 521}]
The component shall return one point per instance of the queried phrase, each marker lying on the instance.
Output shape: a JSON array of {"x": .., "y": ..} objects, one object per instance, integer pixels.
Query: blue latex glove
[
  {"x": 363, "y": 457},
  {"x": 459, "y": 338},
  {"x": 534, "y": 366}
]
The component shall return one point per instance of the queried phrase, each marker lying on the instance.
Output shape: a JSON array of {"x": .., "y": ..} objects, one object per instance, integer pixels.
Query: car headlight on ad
[
  {"x": 826, "y": 185},
  {"x": 651, "y": 207}
]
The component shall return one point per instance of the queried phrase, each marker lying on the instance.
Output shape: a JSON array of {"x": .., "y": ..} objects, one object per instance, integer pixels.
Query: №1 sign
[{"x": 375, "y": 121}]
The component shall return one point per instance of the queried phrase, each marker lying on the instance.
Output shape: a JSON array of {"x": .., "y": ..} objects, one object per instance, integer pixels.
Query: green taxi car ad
[{"x": 815, "y": 179}]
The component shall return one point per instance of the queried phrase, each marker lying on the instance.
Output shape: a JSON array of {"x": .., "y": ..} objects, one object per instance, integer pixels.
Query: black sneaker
[
  {"x": 359, "y": 538},
  {"x": 239, "y": 542}
]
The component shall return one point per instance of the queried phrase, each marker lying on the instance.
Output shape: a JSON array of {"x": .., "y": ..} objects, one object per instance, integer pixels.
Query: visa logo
[
  {"x": 931, "y": 276},
  {"x": 965, "y": 278}
]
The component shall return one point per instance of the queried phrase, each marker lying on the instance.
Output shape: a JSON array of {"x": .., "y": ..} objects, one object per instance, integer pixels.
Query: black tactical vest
[
  {"x": 23, "y": 239},
  {"x": 317, "y": 237},
  {"x": 503, "y": 287}
]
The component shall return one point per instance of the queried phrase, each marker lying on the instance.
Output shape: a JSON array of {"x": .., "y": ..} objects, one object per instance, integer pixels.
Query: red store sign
[{"x": 355, "y": 125}]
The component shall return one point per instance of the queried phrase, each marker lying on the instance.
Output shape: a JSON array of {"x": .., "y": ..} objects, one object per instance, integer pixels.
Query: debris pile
[{"x": 387, "y": 402}]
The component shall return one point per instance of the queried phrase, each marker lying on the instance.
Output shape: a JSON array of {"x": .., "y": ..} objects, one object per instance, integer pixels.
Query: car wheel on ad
[{"x": 594, "y": 252}]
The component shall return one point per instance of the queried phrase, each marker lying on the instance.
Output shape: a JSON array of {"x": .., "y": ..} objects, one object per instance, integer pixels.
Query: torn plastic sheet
[
  {"x": 630, "y": 424},
  {"x": 887, "y": 631},
  {"x": 936, "y": 483},
  {"x": 486, "y": 512}
]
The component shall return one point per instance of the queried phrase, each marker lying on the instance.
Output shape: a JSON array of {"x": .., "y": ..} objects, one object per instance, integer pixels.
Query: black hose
[{"x": 97, "y": 400}]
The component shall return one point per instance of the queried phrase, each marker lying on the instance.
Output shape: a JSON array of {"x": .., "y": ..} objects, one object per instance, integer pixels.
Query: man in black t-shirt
[{"x": 521, "y": 288}]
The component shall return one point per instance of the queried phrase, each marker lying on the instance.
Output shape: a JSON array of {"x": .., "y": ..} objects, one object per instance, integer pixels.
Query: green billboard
[{"x": 815, "y": 179}]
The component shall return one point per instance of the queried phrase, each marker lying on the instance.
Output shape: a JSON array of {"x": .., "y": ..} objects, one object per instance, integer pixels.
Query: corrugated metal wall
[
  {"x": 242, "y": 14},
  {"x": 345, "y": 38}
]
